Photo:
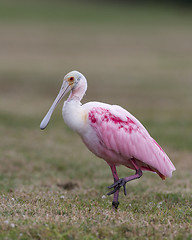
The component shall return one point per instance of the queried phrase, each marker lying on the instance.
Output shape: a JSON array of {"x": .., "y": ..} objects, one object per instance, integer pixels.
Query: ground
[{"x": 51, "y": 186}]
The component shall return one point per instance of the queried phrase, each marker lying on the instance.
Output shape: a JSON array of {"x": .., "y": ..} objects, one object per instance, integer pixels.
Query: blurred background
[{"x": 136, "y": 55}]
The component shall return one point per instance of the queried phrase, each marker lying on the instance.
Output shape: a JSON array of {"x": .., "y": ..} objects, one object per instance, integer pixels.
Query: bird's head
[
  {"x": 72, "y": 78},
  {"x": 73, "y": 81}
]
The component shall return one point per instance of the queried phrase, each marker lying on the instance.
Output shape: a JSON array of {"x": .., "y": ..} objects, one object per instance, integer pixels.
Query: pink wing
[{"x": 122, "y": 133}]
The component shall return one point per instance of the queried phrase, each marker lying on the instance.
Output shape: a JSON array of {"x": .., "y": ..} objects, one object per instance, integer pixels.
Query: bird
[{"x": 111, "y": 133}]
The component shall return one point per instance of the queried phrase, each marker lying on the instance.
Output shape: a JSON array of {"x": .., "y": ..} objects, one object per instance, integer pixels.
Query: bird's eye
[{"x": 71, "y": 79}]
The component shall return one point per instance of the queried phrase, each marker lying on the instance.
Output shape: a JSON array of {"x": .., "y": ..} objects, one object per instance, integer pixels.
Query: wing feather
[{"x": 122, "y": 133}]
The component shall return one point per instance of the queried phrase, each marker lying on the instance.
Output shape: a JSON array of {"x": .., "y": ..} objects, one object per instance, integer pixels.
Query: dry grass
[{"x": 51, "y": 186}]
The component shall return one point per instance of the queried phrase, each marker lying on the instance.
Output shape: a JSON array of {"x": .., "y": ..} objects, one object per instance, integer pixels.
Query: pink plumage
[
  {"x": 122, "y": 137},
  {"x": 111, "y": 133}
]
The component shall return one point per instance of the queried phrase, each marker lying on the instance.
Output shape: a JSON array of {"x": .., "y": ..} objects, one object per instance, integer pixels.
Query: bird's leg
[
  {"x": 122, "y": 181},
  {"x": 115, "y": 202}
]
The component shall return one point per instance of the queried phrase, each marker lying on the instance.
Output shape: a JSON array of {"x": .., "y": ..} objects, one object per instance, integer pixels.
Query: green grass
[
  {"x": 51, "y": 186},
  {"x": 45, "y": 215},
  {"x": 90, "y": 11}
]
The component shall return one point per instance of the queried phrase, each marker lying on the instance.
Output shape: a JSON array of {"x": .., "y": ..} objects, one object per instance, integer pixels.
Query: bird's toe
[{"x": 117, "y": 185}]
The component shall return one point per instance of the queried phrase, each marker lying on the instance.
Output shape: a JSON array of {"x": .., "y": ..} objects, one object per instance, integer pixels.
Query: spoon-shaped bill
[
  {"x": 65, "y": 88},
  {"x": 47, "y": 117}
]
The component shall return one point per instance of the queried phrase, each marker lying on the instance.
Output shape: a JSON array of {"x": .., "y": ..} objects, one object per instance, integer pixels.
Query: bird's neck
[
  {"x": 73, "y": 112},
  {"x": 74, "y": 115}
]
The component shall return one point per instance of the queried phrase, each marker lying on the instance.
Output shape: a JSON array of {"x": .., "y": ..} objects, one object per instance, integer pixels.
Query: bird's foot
[
  {"x": 117, "y": 185},
  {"x": 115, "y": 204}
]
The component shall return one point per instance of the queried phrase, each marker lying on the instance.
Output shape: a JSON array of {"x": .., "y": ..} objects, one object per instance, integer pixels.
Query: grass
[
  {"x": 90, "y": 11},
  {"x": 75, "y": 218},
  {"x": 51, "y": 186}
]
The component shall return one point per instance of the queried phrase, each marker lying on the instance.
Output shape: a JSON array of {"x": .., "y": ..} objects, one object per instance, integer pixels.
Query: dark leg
[
  {"x": 122, "y": 181},
  {"x": 115, "y": 202}
]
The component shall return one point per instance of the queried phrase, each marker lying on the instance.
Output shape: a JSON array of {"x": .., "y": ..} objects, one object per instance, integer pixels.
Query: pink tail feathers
[{"x": 168, "y": 169}]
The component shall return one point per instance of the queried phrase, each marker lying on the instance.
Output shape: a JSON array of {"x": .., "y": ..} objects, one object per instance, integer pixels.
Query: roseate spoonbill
[{"x": 111, "y": 133}]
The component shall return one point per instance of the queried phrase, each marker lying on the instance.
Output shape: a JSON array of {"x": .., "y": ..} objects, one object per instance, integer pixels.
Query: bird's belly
[{"x": 110, "y": 156}]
